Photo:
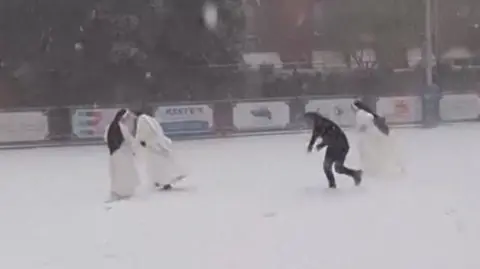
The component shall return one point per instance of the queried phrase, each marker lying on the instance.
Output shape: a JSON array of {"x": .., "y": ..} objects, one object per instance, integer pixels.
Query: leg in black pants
[
  {"x": 327, "y": 169},
  {"x": 336, "y": 156}
]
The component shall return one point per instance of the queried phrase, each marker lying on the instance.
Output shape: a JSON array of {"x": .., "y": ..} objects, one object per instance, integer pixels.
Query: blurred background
[{"x": 71, "y": 52}]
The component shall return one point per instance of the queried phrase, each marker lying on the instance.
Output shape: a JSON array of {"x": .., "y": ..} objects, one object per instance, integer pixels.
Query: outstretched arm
[
  {"x": 312, "y": 141},
  {"x": 150, "y": 136},
  {"x": 105, "y": 135},
  {"x": 126, "y": 133}
]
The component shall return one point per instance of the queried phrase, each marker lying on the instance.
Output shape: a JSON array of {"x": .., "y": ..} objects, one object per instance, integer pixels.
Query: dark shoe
[
  {"x": 163, "y": 187},
  {"x": 181, "y": 177},
  {"x": 357, "y": 177}
]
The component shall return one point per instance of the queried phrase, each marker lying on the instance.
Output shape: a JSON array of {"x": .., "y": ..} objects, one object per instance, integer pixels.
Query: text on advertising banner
[
  {"x": 261, "y": 116},
  {"x": 23, "y": 126},
  {"x": 404, "y": 109},
  {"x": 338, "y": 110},
  {"x": 91, "y": 123},
  {"x": 188, "y": 119},
  {"x": 459, "y": 107}
]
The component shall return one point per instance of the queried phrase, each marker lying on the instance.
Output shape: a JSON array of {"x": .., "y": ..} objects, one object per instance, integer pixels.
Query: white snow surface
[{"x": 249, "y": 203}]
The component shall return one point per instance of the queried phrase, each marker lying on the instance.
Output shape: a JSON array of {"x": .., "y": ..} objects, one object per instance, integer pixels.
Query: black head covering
[
  {"x": 380, "y": 122},
  {"x": 114, "y": 135},
  {"x": 360, "y": 105},
  {"x": 138, "y": 112},
  {"x": 142, "y": 111},
  {"x": 314, "y": 117}
]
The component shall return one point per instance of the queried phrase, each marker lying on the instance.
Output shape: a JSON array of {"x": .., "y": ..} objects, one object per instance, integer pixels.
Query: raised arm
[
  {"x": 126, "y": 133},
  {"x": 150, "y": 135},
  {"x": 105, "y": 135},
  {"x": 312, "y": 140}
]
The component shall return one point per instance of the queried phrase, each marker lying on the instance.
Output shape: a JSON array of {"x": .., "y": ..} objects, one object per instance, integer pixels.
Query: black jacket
[{"x": 332, "y": 135}]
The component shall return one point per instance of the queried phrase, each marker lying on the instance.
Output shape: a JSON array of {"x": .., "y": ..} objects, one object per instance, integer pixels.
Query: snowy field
[{"x": 250, "y": 203}]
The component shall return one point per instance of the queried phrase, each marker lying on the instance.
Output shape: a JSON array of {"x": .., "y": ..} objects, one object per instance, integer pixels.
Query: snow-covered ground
[{"x": 250, "y": 203}]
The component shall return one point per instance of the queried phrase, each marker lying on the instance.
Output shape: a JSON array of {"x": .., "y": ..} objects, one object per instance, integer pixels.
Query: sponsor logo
[
  {"x": 401, "y": 108},
  {"x": 90, "y": 118},
  {"x": 185, "y": 119},
  {"x": 262, "y": 112},
  {"x": 176, "y": 111},
  {"x": 261, "y": 116},
  {"x": 90, "y": 123},
  {"x": 186, "y": 126}
]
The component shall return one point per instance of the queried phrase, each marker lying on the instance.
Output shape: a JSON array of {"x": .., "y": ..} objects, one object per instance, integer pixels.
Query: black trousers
[{"x": 335, "y": 156}]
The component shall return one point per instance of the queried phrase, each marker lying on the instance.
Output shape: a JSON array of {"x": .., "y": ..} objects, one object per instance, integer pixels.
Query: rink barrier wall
[{"x": 86, "y": 125}]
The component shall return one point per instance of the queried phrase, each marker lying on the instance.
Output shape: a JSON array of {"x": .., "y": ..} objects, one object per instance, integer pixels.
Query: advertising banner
[
  {"x": 404, "y": 109},
  {"x": 23, "y": 126},
  {"x": 185, "y": 119},
  {"x": 92, "y": 122},
  {"x": 261, "y": 116},
  {"x": 338, "y": 110},
  {"x": 455, "y": 107}
]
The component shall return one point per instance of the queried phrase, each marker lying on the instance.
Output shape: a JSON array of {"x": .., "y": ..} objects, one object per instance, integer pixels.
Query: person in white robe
[
  {"x": 124, "y": 178},
  {"x": 156, "y": 152},
  {"x": 377, "y": 148}
]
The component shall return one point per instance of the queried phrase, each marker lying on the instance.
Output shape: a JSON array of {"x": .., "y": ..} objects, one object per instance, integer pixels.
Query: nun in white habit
[
  {"x": 378, "y": 152},
  {"x": 124, "y": 177},
  {"x": 156, "y": 151}
]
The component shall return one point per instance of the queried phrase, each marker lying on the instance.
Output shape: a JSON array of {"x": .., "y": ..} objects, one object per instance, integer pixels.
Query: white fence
[{"x": 223, "y": 118}]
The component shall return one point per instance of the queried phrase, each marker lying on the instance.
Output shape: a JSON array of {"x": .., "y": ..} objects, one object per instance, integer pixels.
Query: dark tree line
[{"x": 58, "y": 52}]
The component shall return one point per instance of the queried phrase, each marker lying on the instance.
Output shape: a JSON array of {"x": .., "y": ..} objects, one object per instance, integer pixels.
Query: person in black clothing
[{"x": 337, "y": 148}]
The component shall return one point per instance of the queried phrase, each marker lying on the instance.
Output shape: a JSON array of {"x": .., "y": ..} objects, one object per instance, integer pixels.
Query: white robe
[
  {"x": 124, "y": 178},
  {"x": 161, "y": 167},
  {"x": 378, "y": 154}
]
